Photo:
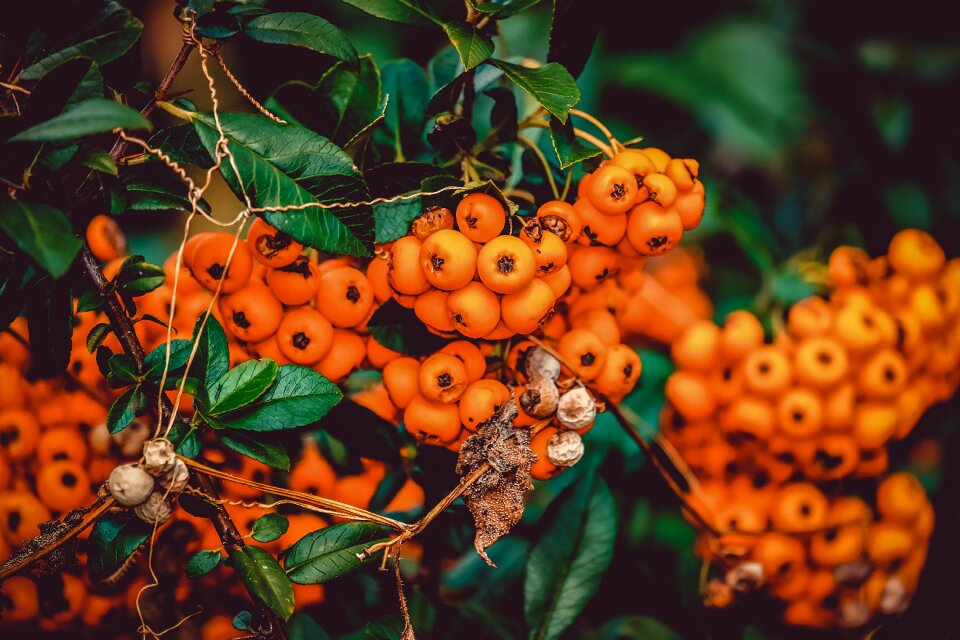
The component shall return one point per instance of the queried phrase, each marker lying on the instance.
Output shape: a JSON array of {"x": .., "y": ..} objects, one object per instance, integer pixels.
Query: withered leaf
[{"x": 496, "y": 499}]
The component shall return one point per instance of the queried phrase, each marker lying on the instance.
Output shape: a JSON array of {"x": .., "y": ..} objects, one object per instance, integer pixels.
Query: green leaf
[
  {"x": 97, "y": 335},
  {"x": 154, "y": 362},
  {"x": 363, "y": 432},
  {"x": 113, "y": 539},
  {"x": 473, "y": 46},
  {"x": 42, "y": 232},
  {"x": 304, "y": 627},
  {"x": 97, "y": 115},
  {"x": 137, "y": 277},
  {"x": 202, "y": 563},
  {"x": 124, "y": 409},
  {"x": 299, "y": 396},
  {"x": 397, "y": 328},
  {"x": 302, "y": 30},
  {"x": 242, "y": 620},
  {"x": 150, "y": 191},
  {"x": 50, "y": 327},
  {"x": 284, "y": 165},
  {"x": 264, "y": 578},
  {"x": 269, "y": 527},
  {"x": 98, "y": 160},
  {"x": 574, "y": 27},
  {"x": 551, "y": 85},
  {"x": 213, "y": 352},
  {"x": 121, "y": 369},
  {"x": 565, "y": 567},
  {"x": 269, "y": 453},
  {"x": 241, "y": 386},
  {"x": 407, "y": 97},
  {"x": 331, "y": 552},
  {"x": 637, "y": 628},
  {"x": 568, "y": 147},
  {"x": 182, "y": 144},
  {"x": 108, "y": 36},
  {"x": 500, "y": 9},
  {"x": 404, "y": 11}
]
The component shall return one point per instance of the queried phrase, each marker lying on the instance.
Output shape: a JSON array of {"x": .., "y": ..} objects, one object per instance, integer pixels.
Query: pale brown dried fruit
[
  {"x": 155, "y": 510},
  {"x": 577, "y": 409},
  {"x": 565, "y": 448},
  {"x": 744, "y": 577},
  {"x": 176, "y": 479},
  {"x": 540, "y": 398},
  {"x": 539, "y": 363},
  {"x": 158, "y": 456},
  {"x": 718, "y": 595},
  {"x": 431, "y": 221},
  {"x": 130, "y": 485},
  {"x": 495, "y": 499},
  {"x": 853, "y": 613}
]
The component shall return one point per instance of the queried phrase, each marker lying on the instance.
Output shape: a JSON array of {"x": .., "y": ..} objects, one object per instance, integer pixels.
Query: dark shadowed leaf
[
  {"x": 202, "y": 563},
  {"x": 50, "y": 327},
  {"x": 551, "y": 85},
  {"x": 638, "y": 628},
  {"x": 363, "y": 432},
  {"x": 98, "y": 160},
  {"x": 96, "y": 115},
  {"x": 573, "y": 31},
  {"x": 500, "y": 9},
  {"x": 124, "y": 409},
  {"x": 113, "y": 538},
  {"x": 148, "y": 190},
  {"x": 302, "y": 30},
  {"x": 299, "y": 396},
  {"x": 399, "y": 329},
  {"x": 405, "y": 88},
  {"x": 259, "y": 448},
  {"x": 269, "y": 527},
  {"x": 406, "y": 11},
  {"x": 42, "y": 232},
  {"x": 264, "y": 578},
  {"x": 331, "y": 552},
  {"x": 473, "y": 46},
  {"x": 182, "y": 144},
  {"x": 568, "y": 147}
]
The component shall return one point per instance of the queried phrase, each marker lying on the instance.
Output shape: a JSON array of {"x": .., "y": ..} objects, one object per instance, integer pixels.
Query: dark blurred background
[{"x": 816, "y": 124}]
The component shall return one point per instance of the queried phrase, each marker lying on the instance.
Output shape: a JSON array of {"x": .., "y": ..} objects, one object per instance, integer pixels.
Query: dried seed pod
[
  {"x": 154, "y": 510},
  {"x": 895, "y": 597},
  {"x": 176, "y": 478},
  {"x": 744, "y": 577},
  {"x": 853, "y": 614},
  {"x": 565, "y": 448},
  {"x": 158, "y": 456},
  {"x": 130, "y": 485},
  {"x": 540, "y": 398},
  {"x": 132, "y": 438},
  {"x": 718, "y": 595},
  {"x": 100, "y": 439},
  {"x": 538, "y": 363},
  {"x": 853, "y": 573},
  {"x": 576, "y": 409},
  {"x": 432, "y": 220}
]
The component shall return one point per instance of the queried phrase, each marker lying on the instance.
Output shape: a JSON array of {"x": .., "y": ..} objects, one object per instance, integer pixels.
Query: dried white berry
[
  {"x": 176, "y": 478},
  {"x": 132, "y": 438},
  {"x": 565, "y": 448},
  {"x": 852, "y": 574},
  {"x": 576, "y": 409},
  {"x": 895, "y": 598},
  {"x": 155, "y": 510},
  {"x": 130, "y": 485},
  {"x": 540, "y": 364},
  {"x": 853, "y": 614},
  {"x": 744, "y": 577},
  {"x": 540, "y": 398},
  {"x": 158, "y": 456}
]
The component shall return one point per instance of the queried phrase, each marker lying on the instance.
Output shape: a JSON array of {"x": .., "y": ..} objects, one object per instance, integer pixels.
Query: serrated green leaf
[
  {"x": 407, "y": 94},
  {"x": 473, "y": 46},
  {"x": 124, "y": 409},
  {"x": 138, "y": 277},
  {"x": 331, "y": 552},
  {"x": 106, "y": 35},
  {"x": 264, "y": 578},
  {"x": 567, "y": 145},
  {"x": 96, "y": 115},
  {"x": 500, "y": 9},
  {"x": 299, "y": 396},
  {"x": 182, "y": 144},
  {"x": 269, "y": 527},
  {"x": 302, "y": 30},
  {"x": 157, "y": 192},
  {"x": 565, "y": 566},
  {"x": 42, "y": 232},
  {"x": 213, "y": 353},
  {"x": 259, "y": 448},
  {"x": 414, "y": 12},
  {"x": 284, "y": 165},
  {"x": 122, "y": 369},
  {"x": 98, "y": 160},
  {"x": 97, "y": 335},
  {"x": 551, "y": 85},
  {"x": 202, "y": 563},
  {"x": 113, "y": 539},
  {"x": 241, "y": 386},
  {"x": 153, "y": 364}
]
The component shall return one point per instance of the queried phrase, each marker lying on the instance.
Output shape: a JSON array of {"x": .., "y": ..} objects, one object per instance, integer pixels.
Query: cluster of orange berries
[
  {"x": 831, "y": 562},
  {"x": 847, "y": 375}
]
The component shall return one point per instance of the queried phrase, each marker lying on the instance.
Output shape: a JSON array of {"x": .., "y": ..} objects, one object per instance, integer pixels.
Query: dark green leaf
[
  {"x": 91, "y": 86},
  {"x": 97, "y": 335},
  {"x": 299, "y": 396},
  {"x": 500, "y": 9},
  {"x": 573, "y": 31},
  {"x": 113, "y": 539},
  {"x": 122, "y": 370},
  {"x": 637, "y": 628},
  {"x": 96, "y": 115},
  {"x": 473, "y": 46},
  {"x": 182, "y": 144},
  {"x": 241, "y": 386},
  {"x": 568, "y": 147},
  {"x": 397, "y": 328},
  {"x": 98, "y": 160},
  {"x": 284, "y": 165},
  {"x": 551, "y": 85},
  {"x": 104, "y": 38},
  {"x": 407, "y": 96},
  {"x": 148, "y": 190},
  {"x": 153, "y": 364},
  {"x": 504, "y": 115},
  {"x": 213, "y": 353},
  {"x": 265, "y": 579},
  {"x": 302, "y": 30},
  {"x": 242, "y": 620},
  {"x": 393, "y": 219},
  {"x": 42, "y": 232},
  {"x": 124, "y": 409},
  {"x": 414, "y": 12},
  {"x": 89, "y": 300},
  {"x": 50, "y": 327},
  {"x": 565, "y": 567},
  {"x": 331, "y": 552},
  {"x": 258, "y": 448},
  {"x": 269, "y": 527},
  {"x": 202, "y": 563},
  {"x": 304, "y": 627},
  {"x": 137, "y": 277},
  {"x": 363, "y": 432}
]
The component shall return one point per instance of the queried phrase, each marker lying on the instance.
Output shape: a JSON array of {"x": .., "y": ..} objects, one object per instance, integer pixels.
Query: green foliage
[
  {"x": 264, "y": 578},
  {"x": 42, "y": 232},
  {"x": 302, "y": 30},
  {"x": 202, "y": 563},
  {"x": 240, "y": 386},
  {"x": 124, "y": 409},
  {"x": 83, "y": 119},
  {"x": 112, "y": 540},
  {"x": 551, "y": 85},
  {"x": 331, "y": 552},
  {"x": 473, "y": 46},
  {"x": 269, "y": 527}
]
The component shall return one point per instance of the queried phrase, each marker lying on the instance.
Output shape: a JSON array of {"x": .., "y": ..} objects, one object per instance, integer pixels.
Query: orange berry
[
  {"x": 19, "y": 434},
  {"x": 480, "y": 400},
  {"x": 480, "y": 217},
  {"x": 405, "y": 274},
  {"x": 345, "y": 354},
  {"x": 559, "y": 281},
  {"x": 474, "y": 310},
  {"x": 661, "y": 190},
  {"x": 690, "y": 206},
  {"x": 296, "y": 283},
  {"x": 901, "y": 497},
  {"x": 442, "y": 378},
  {"x": 683, "y": 172},
  {"x": 916, "y": 254},
  {"x": 636, "y": 163},
  {"x": 883, "y": 374},
  {"x": 612, "y": 189},
  {"x": 548, "y": 249},
  {"x": 436, "y": 423},
  {"x": 304, "y": 335},
  {"x": 583, "y": 351},
  {"x": 653, "y": 230},
  {"x": 209, "y": 262},
  {"x": 271, "y": 247},
  {"x": 621, "y": 370},
  {"x": 19, "y": 600},
  {"x": 345, "y": 297},
  {"x": 506, "y": 264},
  {"x": 599, "y": 228},
  {"x": 251, "y": 314},
  {"x": 448, "y": 259},
  {"x": 698, "y": 348},
  {"x": 470, "y": 355},
  {"x": 430, "y": 221},
  {"x": 820, "y": 362},
  {"x": 377, "y": 274},
  {"x": 767, "y": 371},
  {"x": 601, "y": 323},
  {"x": 63, "y": 486},
  {"x": 542, "y": 468},
  {"x": 561, "y": 219},
  {"x": 524, "y": 311},
  {"x": 430, "y": 308},
  {"x": 800, "y": 413},
  {"x": 401, "y": 378},
  {"x": 742, "y": 333},
  {"x": 659, "y": 158},
  {"x": 591, "y": 266},
  {"x": 690, "y": 394},
  {"x": 21, "y": 515},
  {"x": 810, "y": 317},
  {"x": 105, "y": 238}
]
